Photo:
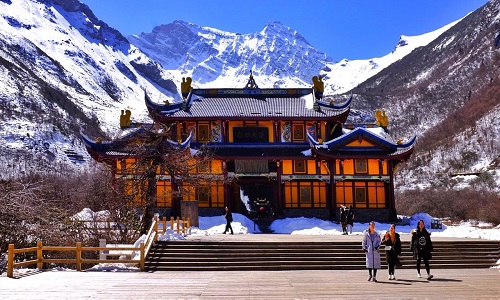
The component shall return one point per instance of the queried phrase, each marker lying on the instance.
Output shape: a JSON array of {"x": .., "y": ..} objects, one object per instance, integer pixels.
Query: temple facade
[{"x": 288, "y": 148}]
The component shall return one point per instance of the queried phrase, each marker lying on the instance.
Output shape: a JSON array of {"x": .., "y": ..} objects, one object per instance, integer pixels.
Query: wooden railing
[{"x": 143, "y": 249}]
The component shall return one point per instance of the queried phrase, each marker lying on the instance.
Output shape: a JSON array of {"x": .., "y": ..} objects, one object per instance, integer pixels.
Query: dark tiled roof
[{"x": 241, "y": 103}]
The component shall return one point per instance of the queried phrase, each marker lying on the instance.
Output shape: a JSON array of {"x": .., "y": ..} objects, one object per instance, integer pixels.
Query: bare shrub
[
  {"x": 465, "y": 204},
  {"x": 40, "y": 208}
]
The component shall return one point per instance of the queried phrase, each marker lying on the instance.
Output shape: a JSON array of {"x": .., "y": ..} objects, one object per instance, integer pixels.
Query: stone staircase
[{"x": 272, "y": 256}]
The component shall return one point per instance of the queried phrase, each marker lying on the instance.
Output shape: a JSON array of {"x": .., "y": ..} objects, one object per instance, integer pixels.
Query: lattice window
[
  {"x": 299, "y": 166},
  {"x": 203, "y": 132},
  {"x": 298, "y": 134}
]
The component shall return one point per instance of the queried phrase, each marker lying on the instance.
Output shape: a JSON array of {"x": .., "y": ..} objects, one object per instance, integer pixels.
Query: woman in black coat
[
  {"x": 229, "y": 218},
  {"x": 421, "y": 246},
  {"x": 392, "y": 244}
]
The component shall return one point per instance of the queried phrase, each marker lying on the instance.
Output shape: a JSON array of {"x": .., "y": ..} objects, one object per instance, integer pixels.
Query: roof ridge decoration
[{"x": 251, "y": 84}]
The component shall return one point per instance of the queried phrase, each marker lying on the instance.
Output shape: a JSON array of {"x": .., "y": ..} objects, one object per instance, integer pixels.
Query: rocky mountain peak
[{"x": 277, "y": 29}]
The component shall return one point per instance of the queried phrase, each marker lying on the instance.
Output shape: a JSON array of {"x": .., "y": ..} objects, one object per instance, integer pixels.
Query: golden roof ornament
[
  {"x": 186, "y": 86},
  {"x": 318, "y": 86},
  {"x": 125, "y": 118},
  {"x": 381, "y": 119}
]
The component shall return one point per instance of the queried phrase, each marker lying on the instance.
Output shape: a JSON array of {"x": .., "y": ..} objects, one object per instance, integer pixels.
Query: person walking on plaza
[
  {"x": 350, "y": 219},
  {"x": 421, "y": 246},
  {"x": 392, "y": 244},
  {"x": 229, "y": 219},
  {"x": 371, "y": 243},
  {"x": 343, "y": 219}
]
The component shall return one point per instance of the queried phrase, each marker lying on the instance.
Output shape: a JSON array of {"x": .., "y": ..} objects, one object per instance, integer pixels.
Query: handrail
[{"x": 143, "y": 249}]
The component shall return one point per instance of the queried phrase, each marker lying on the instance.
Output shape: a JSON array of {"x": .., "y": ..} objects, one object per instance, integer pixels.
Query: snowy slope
[
  {"x": 63, "y": 69},
  {"x": 345, "y": 75}
]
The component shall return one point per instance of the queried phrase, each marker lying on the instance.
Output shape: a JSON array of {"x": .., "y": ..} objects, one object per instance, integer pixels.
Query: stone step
[
  {"x": 195, "y": 255},
  {"x": 291, "y": 266}
]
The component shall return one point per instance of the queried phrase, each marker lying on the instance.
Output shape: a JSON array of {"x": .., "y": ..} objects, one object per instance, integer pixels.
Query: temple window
[
  {"x": 361, "y": 194},
  {"x": 203, "y": 133},
  {"x": 298, "y": 134},
  {"x": 210, "y": 195},
  {"x": 204, "y": 166},
  {"x": 163, "y": 194},
  {"x": 361, "y": 166},
  {"x": 299, "y": 166},
  {"x": 204, "y": 194},
  {"x": 305, "y": 194}
]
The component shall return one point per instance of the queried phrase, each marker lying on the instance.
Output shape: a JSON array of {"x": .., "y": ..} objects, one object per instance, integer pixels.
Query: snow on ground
[{"x": 313, "y": 226}]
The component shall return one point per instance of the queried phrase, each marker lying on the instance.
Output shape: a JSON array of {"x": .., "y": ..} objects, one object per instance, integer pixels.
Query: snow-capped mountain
[
  {"x": 345, "y": 75},
  {"x": 61, "y": 69},
  {"x": 278, "y": 56}
]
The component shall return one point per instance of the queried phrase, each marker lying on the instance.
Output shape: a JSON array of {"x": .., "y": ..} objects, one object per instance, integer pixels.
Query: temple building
[{"x": 289, "y": 148}]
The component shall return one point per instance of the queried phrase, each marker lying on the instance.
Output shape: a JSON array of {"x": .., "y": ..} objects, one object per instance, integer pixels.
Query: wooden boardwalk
[
  {"x": 325, "y": 284},
  {"x": 447, "y": 284}
]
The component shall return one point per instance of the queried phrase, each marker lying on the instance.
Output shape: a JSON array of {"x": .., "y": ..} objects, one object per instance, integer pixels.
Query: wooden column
[
  {"x": 391, "y": 197},
  {"x": 224, "y": 138},
  {"x": 331, "y": 191},
  {"x": 280, "y": 203}
]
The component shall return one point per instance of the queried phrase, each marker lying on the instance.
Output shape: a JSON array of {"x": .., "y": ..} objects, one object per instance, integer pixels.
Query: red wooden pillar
[{"x": 280, "y": 203}]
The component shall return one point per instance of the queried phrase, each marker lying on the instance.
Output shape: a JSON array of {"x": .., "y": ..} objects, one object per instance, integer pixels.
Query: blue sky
[{"x": 352, "y": 29}]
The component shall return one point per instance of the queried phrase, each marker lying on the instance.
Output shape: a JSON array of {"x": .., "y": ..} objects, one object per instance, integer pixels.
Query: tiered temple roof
[
  {"x": 250, "y": 104},
  {"x": 361, "y": 143}
]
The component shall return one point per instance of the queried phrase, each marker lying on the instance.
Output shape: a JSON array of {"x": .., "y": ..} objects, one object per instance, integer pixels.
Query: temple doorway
[{"x": 251, "y": 195}]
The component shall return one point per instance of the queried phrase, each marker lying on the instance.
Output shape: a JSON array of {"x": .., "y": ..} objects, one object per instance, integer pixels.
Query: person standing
[
  {"x": 343, "y": 219},
  {"x": 350, "y": 219},
  {"x": 229, "y": 218},
  {"x": 421, "y": 246},
  {"x": 371, "y": 243},
  {"x": 392, "y": 244}
]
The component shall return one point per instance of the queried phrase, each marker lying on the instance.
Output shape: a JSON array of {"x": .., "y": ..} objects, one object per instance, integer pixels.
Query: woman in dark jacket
[
  {"x": 392, "y": 244},
  {"x": 421, "y": 246},
  {"x": 350, "y": 219},
  {"x": 229, "y": 218}
]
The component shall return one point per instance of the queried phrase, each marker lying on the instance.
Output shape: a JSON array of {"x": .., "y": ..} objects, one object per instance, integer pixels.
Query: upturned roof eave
[{"x": 323, "y": 153}]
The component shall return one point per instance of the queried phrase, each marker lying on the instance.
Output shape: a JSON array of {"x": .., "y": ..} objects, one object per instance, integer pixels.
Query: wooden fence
[{"x": 158, "y": 227}]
